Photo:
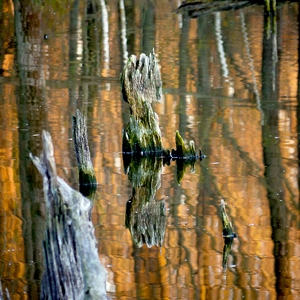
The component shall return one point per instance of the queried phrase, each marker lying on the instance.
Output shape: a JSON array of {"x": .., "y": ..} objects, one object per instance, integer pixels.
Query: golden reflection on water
[{"x": 223, "y": 115}]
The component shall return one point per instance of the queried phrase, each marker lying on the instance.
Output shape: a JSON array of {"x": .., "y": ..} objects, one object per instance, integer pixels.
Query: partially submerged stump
[
  {"x": 141, "y": 85},
  {"x": 86, "y": 171},
  {"x": 73, "y": 269},
  {"x": 183, "y": 151},
  {"x": 227, "y": 226}
]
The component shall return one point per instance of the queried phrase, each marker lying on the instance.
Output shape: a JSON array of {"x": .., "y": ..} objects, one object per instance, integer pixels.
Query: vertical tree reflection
[
  {"x": 183, "y": 69},
  {"x": 148, "y": 26},
  {"x": 271, "y": 151},
  {"x": 31, "y": 115},
  {"x": 298, "y": 98}
]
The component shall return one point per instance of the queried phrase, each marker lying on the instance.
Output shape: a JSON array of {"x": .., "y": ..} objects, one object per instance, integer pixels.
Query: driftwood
[{"x": 73, "y": 269}]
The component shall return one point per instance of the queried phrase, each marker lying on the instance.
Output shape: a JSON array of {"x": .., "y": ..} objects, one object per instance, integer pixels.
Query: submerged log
[
  {"x": 87, "y": 175},
  {"x": 73, "y": 269}
]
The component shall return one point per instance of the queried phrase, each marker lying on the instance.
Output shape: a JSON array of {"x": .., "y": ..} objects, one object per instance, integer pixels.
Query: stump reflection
[{"x": 146, "y": 217}]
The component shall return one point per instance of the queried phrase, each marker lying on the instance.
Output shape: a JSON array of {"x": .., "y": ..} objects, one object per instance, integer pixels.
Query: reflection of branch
[
  {"x": 221, "y": 50},
  {"x": 123, "y": 30},
  {"x": 105, "y": 28},
  {"x": 251, "y": 62},
  {"x": 198, "y": 9}
]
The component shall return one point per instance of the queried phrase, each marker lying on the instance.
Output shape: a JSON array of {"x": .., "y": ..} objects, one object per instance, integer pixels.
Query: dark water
[{"x": 230, "y": 83}]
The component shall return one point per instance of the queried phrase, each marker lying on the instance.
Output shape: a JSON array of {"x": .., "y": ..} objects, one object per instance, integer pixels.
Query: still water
[{"x": 230, "y": 83}]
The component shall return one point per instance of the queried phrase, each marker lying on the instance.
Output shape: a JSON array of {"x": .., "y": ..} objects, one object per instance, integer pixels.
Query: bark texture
[
  {"x": 72, "y": 266},
  {"x": 141, "y": 85}
]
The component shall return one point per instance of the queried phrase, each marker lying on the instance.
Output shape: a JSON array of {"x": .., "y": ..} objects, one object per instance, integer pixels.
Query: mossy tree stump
[
  {"x": 87, "y": 175},
  {"x": 141, "y": 85}
]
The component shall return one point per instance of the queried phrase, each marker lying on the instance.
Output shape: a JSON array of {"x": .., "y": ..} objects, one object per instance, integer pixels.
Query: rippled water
[{"x": 230, "y": 83}]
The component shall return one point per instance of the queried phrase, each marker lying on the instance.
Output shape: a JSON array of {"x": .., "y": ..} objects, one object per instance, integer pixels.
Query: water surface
[{"x": 230, "y": 83}]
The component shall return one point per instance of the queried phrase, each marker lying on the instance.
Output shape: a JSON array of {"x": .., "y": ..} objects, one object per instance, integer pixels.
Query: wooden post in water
[{"x": 72, "y": 266}]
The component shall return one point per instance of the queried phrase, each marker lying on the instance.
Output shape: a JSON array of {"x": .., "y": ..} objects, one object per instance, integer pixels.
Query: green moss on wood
[
  {"x": 183, "y": 151},
  {"x": 141, "y": 85},
  {"x": 86, "y": 171},
  {"x": 86, "y": 177},
  {"x": 227, "y": 226}
]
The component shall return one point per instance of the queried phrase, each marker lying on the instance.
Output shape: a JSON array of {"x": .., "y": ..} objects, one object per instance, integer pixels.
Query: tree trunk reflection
[
  {"x": 272, "y": 155},
  {"x": 32, "y": 115}
]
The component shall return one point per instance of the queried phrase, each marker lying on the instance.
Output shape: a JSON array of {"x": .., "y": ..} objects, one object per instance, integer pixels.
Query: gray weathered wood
[
  {"x": 72, "y": 266},
  {"x": 86, "y": 171}
]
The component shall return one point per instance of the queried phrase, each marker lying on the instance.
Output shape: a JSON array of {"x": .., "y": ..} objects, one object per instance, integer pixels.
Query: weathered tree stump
[
  {"x": 227, "y": 226},
  {"x": 141, "y": 85},
  {"x": 73, "y": 269},
  {"x": 87, "y": 175},
  {"x": 183, "y": 151}
]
